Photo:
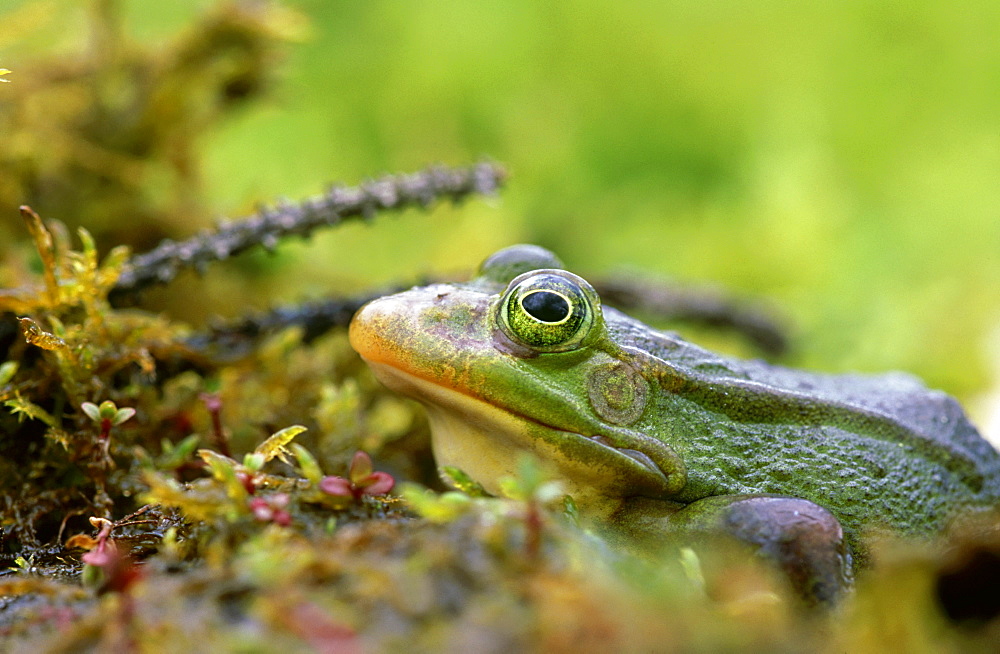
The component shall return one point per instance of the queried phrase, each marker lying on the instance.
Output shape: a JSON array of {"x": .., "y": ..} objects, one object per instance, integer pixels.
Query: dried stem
[
  {"x": 232, "y": 339},
  {"x": 267, "y": 227},
  {"x": 657, "y": 299},
  {"x": 699, "y": 306}
]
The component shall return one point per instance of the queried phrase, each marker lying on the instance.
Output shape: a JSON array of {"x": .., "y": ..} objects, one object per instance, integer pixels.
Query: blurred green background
[{"x": 841, "y": 160}]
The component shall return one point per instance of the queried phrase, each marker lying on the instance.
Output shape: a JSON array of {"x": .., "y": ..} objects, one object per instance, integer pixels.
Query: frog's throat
[{"x": 485, "y": 441}]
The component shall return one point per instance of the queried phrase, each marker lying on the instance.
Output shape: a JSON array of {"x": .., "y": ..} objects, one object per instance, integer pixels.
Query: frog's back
[{"x": 875, "y": 449}]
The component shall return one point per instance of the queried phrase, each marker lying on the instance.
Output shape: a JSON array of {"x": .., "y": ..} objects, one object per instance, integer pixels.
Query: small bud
[
  {"x": 361, "y": 466},
  {"x": 248, "y": 482},
  {"x": 261, "y": 510},
  {"x": 254, "y": 461},
  {"x": 7, "y": 371},
  {"x": 108, "y": 410}
]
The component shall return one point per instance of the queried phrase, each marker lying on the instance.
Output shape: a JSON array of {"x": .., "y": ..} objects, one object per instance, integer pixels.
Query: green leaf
[
  {"x": 122, "y": 415},
  {"x": 361, "y": 467},
  {"x": 174, "y": 456},
  {"x": 23, "y": 408},
  {"x": 457, "y": 479},
  {"x": 691, "y": 565},
  {"x": 221, "y": 466},
  {"x": 89, "y": 247},
  {"x": 433, "y": 507},
  {"x": 570, "y": 509},
  {"x": 7, "y": 371},
  {"x": 92, "y": 411},
  {"x": 275, "y": 445},
  {"x": 224, "y": 469},
  {"x": 308, "y": 465}
]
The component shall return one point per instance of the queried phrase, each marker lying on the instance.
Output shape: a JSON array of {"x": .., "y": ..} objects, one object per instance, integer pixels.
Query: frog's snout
[{"x": 371, "y": 330}]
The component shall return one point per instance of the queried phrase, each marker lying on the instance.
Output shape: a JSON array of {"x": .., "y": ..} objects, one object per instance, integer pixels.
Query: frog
[{"x": 657, "y": 437}]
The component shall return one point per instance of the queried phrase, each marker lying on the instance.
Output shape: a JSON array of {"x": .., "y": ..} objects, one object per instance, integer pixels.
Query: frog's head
[{"x": 519, "y": 359}]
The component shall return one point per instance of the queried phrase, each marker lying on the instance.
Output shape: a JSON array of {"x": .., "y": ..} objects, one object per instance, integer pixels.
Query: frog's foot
[{"x": 804, "y": 539}]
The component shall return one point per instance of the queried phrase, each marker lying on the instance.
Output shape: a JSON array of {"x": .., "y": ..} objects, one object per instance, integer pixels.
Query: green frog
[{"x": 655, "y": 435}]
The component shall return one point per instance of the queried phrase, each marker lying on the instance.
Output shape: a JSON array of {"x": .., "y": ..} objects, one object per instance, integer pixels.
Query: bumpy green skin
[
  {"x": 878, "y": 451},
  {"x": 632, "y": 413}
]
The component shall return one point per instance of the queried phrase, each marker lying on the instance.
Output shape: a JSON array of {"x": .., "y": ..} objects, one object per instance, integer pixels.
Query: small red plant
[
  {"x": 362, "y": 479},
  {"x": 107, "y": 415},
  {"x": 248, "y": 481},
  {"x": 104, "y": 549},
  {"x": 213, "y": 402},
  {"x": 118, "y": 570},
  {"x": 271, "y": 509}
]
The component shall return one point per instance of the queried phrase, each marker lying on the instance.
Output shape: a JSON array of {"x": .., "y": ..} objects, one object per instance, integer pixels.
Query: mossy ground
[{"x": 155, "y": 531}]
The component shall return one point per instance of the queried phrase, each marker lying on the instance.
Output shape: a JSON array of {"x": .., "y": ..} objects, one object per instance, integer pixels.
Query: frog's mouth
[{"x": 485, "y": 441}]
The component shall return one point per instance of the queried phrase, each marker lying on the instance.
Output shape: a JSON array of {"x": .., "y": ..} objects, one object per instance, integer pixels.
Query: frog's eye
[{"x": 546, "y": 311}]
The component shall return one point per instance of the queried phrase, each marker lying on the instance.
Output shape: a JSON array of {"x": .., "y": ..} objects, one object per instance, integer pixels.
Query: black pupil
[{"x": 546, "y": 306}]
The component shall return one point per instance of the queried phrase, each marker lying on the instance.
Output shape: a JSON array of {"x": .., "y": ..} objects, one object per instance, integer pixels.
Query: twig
[
  {"x": 269, "y": 226},
  {"x": 699, "y": 306},
  {"x": 233, "y": 339},
  {"x": 227, "y": 340}
]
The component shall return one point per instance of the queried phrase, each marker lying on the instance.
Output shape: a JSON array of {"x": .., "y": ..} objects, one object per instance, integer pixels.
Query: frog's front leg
[{"x": 804, "y": 539}]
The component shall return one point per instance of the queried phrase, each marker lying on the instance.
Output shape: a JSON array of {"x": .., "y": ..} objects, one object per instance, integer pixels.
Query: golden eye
[{"x": 546, "y": 310}]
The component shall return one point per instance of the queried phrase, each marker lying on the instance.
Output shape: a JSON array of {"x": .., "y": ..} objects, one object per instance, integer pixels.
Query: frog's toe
[{"x": 803, "y": 538}]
